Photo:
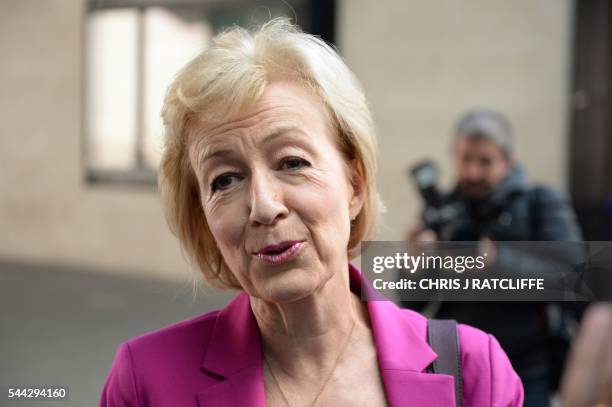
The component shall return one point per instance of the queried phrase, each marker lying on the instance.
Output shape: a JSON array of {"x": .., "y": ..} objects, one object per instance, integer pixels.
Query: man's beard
[{"x": 475, "y": 190}]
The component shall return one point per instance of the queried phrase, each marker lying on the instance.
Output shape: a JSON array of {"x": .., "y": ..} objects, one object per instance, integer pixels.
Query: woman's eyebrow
[
  {"x": 286, "y": 131},
  {"x": 216, "y": 153},
  {"x": 213, "y": 151}
]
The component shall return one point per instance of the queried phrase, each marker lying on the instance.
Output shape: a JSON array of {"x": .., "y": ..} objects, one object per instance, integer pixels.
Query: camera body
[{"x": 439, "y": 211}]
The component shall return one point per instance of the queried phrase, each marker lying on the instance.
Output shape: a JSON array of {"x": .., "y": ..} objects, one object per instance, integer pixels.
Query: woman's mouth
[{"x": 280, "y": 253}]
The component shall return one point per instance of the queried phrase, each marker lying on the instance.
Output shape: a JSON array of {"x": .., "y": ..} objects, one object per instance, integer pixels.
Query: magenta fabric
[{"x": 215, "y": 360}]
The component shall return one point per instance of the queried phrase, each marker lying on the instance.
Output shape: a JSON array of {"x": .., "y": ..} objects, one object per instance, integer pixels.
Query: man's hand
[
  {"x": 587, "y": 381},
  {"x": 487, "y": 247}
]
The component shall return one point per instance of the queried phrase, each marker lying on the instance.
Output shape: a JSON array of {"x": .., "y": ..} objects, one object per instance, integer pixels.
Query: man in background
[{"x": 499, "y": 205}]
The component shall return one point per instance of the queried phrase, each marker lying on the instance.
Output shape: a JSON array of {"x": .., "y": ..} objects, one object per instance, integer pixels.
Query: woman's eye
[
  {"x": 223, "y": 181},
  {"x": 294, "y": 163}
]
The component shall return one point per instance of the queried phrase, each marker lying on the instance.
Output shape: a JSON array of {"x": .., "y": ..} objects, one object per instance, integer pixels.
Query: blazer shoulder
[
  {"x": 488, "y": 375},
  {"x": 140, "y": 362},
  {"x": 193, "y": 329},
  {"x": 179, "y": 345}
]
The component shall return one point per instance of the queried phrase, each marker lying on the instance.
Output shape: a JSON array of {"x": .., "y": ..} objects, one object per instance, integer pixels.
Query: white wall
[
  {"x": 422, "y": 63},
  {"x": 47, "y": 213}
]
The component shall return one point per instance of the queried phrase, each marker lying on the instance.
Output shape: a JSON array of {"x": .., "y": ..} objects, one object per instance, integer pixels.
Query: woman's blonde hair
[{"x": 225, "y": 80}]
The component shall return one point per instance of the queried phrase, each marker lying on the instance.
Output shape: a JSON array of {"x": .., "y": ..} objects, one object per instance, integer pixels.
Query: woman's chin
[{"x": 288, "y": 287}]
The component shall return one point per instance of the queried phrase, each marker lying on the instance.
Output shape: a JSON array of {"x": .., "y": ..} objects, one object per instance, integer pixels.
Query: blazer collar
[
  {"x": 400, "y": 341},
  {"x": 235, "y": 342},
  {"x": 234, "y": 353},
  {"x": 403, "y": 353},
  {"x": 234, "y": 356}
]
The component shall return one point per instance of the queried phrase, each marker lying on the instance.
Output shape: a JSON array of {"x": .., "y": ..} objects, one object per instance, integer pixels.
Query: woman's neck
[{"x": 305, "y": 335}]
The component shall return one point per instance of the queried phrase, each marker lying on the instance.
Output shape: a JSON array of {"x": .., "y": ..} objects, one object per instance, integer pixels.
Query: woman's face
[{"x": 277, "y": 194}]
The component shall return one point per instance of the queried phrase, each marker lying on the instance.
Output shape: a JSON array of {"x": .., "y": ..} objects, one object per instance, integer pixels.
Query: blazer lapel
[
  {"x": 233, "y": 357},
  {"x": 403, "y": 352},
  {"x": 242, "y": 389}
]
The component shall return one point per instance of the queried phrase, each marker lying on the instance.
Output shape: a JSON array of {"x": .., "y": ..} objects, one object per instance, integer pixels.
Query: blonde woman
[{"x": 268, "y": 181}]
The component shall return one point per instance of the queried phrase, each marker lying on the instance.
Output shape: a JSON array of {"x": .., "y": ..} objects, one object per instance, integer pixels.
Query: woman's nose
[{"x": 266, "y": 206}]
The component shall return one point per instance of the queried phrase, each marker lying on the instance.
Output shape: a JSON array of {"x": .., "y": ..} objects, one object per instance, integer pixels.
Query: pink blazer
[{"x": 215, "y": 360}]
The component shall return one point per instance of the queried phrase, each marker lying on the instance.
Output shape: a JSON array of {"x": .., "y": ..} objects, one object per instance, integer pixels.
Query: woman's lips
[{"x": 279, "y": 253}]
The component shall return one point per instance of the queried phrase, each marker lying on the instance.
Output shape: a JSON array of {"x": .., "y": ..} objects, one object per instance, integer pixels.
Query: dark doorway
[{"x": 591, "y": 127}]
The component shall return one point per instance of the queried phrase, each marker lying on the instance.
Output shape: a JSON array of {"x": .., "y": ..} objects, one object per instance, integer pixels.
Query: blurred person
[
  {"x": 267, "y": 179},
  {"x": 497, "y": 204},
  {"x": 587, "y": 381}
]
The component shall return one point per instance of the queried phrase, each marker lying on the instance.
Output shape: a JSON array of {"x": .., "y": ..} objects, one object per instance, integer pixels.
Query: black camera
[{"x": 438, "y": 211}]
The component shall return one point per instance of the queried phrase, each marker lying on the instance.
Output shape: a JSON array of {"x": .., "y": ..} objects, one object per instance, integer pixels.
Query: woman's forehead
[
  {"x": 284, "y": 108},
  {"x": 220, "y": 145}
]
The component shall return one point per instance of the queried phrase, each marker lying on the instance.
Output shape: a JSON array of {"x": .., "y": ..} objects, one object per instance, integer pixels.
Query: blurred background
[{"x": 86, "y": 258}]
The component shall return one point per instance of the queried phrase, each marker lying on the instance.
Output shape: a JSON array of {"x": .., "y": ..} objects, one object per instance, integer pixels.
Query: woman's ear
[{"x": 358, "y": 187}]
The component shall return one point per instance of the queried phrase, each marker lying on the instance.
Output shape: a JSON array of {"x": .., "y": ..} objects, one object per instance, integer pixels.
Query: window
[{"x": 133, "y": 49}]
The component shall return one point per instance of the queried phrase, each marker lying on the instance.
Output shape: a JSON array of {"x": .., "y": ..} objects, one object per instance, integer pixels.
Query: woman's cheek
[
  {"x": 329, "y": 189},
  {"x": 224, "y": 222},
  {"x": 323, "y": 206}
]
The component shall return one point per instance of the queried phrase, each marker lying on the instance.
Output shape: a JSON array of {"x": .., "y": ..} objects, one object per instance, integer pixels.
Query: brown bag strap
[{"x": 442, "y": 337}]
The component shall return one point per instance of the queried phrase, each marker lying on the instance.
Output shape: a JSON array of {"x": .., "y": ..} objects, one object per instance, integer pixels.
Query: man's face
[{"x": 480, "y": 165}]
